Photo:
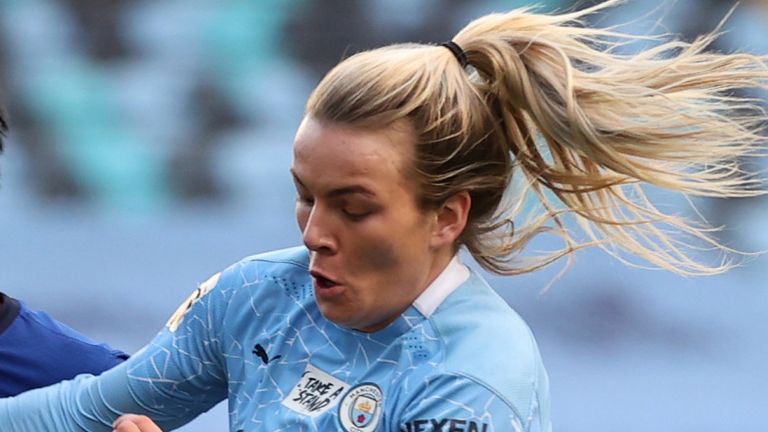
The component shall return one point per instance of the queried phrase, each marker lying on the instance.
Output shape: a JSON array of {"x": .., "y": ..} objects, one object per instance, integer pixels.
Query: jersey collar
[{"x": 452, "y": 276}]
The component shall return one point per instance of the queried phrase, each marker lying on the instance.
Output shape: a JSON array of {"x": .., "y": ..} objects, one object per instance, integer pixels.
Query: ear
[{"x": 451, "y": 219}]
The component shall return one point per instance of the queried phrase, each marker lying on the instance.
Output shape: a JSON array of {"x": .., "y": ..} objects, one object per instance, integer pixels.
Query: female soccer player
[{"x": 404, "y": 156}]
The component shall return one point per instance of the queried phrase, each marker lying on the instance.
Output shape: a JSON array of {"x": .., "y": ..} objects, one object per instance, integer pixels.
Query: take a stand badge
[{"x": 360, "y": 409}]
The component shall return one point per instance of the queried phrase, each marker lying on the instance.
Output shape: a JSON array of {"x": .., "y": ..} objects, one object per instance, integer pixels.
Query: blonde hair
[{"x": 585, "y": 126}]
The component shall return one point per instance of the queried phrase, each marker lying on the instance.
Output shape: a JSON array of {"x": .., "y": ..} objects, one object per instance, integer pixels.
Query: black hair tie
[{"x": 459, "y": 53}]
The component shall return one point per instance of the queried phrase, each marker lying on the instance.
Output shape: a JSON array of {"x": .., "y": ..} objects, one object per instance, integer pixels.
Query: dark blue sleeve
[{"x": 36, "y": 351}]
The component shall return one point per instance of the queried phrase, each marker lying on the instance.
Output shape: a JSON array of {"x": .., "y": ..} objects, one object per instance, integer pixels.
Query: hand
[{"x": 134, "y": 423}]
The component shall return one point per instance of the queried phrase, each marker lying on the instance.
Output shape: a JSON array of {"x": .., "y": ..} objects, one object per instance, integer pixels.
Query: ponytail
[
  {"x": 585, "y": 126},
  {"x": 588, "y": 125}
]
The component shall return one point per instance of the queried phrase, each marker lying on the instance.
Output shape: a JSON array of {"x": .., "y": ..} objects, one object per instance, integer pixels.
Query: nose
[{"x": 317, "y": 234}]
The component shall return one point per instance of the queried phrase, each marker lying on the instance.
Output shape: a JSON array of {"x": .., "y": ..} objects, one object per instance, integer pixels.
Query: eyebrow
[{"x": 346, "y": 190}]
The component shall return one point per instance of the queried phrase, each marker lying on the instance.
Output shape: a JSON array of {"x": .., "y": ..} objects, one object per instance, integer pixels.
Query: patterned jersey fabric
[{"x": 458, "y": 359}]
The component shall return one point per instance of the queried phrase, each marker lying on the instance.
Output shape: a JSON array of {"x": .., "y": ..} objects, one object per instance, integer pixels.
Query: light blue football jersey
[{"x": 458, "y": 359}]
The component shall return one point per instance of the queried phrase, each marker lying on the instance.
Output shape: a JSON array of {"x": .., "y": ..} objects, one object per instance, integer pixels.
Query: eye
[{"x": 356, "y": 216}]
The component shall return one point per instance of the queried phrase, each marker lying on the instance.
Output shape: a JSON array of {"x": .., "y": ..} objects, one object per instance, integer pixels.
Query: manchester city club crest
[{"x": 360, "y": 410}]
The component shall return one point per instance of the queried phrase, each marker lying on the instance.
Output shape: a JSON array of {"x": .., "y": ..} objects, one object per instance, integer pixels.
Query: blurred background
[{"x": 150, "y": 148}]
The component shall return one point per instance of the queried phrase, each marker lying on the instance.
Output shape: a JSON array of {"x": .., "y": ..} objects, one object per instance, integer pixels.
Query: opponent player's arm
[
  {"x": 177, "y": 376},
  {"x": 456, "y": 402},
  {"x": 39, "y": 351}
]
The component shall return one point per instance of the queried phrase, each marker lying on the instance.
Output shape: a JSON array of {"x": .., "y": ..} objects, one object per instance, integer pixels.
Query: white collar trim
[{"x": 453, "y": 275}]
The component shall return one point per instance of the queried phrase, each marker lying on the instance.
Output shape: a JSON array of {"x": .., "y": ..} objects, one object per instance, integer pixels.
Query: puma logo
[{"x": 262, "y": 353}]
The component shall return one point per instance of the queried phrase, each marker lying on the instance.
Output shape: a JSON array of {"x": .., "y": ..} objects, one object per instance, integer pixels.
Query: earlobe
[{"x": 452, "y": 218}]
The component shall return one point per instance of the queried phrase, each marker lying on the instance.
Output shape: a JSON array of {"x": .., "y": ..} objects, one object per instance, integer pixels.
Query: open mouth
[
  {"x": 322, "y": 281},
  {"x": 325, "y": 282}
]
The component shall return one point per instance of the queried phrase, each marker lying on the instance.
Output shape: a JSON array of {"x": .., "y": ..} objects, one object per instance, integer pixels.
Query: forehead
[{"x": 331, "y": 154}]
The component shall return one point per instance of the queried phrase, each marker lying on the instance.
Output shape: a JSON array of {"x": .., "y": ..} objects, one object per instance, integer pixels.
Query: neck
[{"x": 439, "y": 263}]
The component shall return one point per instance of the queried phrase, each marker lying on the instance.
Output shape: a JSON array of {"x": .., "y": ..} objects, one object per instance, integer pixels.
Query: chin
[
  {"x": 332, "y": 313},
  {"x": 349, "y": 322}
]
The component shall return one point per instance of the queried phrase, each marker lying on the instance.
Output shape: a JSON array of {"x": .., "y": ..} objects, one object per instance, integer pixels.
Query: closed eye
[{"x": 356, "y": 216}]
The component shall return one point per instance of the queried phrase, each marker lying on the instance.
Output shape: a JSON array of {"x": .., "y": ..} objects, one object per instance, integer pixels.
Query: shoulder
[
  {"x": 489, "y": 344},
  {"x": 269, "y": 278},
  {"x": 37, "y": 328},
  {"x": 256, "y": 271},
  {"x": 297, "y": 256},
  {"x": 253, "y": 280},
  {"x": 284, "y": 270},
  {"x": 270, "y": 265}
]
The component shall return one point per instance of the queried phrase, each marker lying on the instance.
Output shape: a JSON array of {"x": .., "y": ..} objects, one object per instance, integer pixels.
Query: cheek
[
  {"x": 381, "y": 256},
  {"x": 392, "y": 249}
]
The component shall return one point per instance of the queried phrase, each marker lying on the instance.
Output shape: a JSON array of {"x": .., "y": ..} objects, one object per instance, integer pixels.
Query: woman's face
[{"x": 371, "y": 246}]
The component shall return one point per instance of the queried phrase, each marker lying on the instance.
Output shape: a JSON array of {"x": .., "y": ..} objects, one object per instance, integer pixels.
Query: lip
[{"x": 322, "y": 291}]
